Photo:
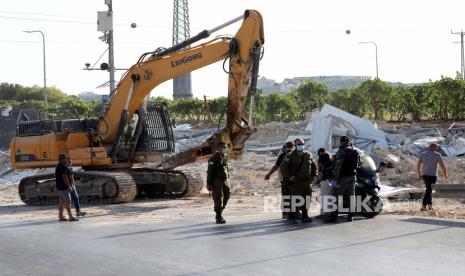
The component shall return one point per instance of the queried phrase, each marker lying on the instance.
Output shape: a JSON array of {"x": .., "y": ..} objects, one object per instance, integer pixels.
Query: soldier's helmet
[
  {"x": 289, "y": 145},
  {"x": 345, "y": 139}
]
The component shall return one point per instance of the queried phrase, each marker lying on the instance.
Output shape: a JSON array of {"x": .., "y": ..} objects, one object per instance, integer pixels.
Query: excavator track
[
  {"x": 109, "y": 187},
  {"x": 93, "y": 187},
  {"x": 154, "y": 182}
]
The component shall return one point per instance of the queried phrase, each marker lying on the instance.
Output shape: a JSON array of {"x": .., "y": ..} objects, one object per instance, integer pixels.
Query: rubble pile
[
  {"x": 247, "y": 173},
  {"x": 277, "y": 131}
]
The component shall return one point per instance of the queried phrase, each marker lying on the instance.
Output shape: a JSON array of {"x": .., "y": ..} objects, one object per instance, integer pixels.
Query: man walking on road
[
  {"x": 74, "y": 194},
  {"x": 427, "y": 169},
  {"x": 218, "y": 181},
  {"x": 63, "y": 188}
]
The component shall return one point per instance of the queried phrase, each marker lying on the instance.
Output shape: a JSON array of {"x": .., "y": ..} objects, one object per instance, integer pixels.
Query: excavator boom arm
[{"x": 243, "y": 50}]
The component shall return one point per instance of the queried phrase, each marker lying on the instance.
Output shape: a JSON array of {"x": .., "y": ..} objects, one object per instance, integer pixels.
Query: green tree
[
  {"x": 378, "y": 94},
  {"x": 280, "y": 108},
  {"x": 310, "y": 95}
]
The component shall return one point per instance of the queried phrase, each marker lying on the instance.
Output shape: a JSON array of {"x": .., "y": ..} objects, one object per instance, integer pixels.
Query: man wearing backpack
[
  {"x": 299, "y": 170},
  {"x": 346, "y": 162}
]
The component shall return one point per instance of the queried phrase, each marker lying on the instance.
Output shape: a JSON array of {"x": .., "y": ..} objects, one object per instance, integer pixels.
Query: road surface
[{"x": 249, "y": 244}]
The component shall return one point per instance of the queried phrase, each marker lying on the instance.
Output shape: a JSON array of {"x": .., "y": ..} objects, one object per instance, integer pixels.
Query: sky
[{"x": 302, "y": 38}]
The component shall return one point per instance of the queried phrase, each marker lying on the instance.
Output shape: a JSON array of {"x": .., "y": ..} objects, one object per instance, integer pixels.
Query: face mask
[
  {"x": 288, "y": 151},
  {"x": 300, "y": 148},
  {"x": 224, "y": 150}
]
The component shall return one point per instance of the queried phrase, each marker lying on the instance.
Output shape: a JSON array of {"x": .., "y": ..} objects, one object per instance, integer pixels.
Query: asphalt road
[{"x": 247, "y": 245}]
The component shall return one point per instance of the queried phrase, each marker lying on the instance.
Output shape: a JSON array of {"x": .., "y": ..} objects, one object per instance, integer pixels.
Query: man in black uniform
[
  {"x": 218, "y": 180},
  {"x": 287, "y": 148},
  {"x": 346, "y": 162}
]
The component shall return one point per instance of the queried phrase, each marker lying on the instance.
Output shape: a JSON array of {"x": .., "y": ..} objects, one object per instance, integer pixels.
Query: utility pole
[
  {"x": 111, "y": 59},
  {"x": 45, "y": 76},
  {"x": 462, "y": 58},
  {"x": 105, "y": 24}
]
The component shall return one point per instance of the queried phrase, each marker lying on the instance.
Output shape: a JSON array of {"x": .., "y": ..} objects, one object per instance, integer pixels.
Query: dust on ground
[
  {"x": 249, "y": 193},
  {"x": 249, "y": 189}
]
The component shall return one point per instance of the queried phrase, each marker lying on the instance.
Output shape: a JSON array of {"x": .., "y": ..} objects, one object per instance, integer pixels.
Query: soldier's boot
[
  {"x": 292, "y": 217},
  {"x": 350, "y": 218},
  {"x": 219, "y": 218},
  {"x": 306, "y": 218}
]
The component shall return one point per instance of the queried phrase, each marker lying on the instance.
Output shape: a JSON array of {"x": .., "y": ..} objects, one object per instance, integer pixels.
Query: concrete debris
[
  {"x": 330, "y": 123},
  {"x": 397, "y": 193},
  {"x": 5, "y": 111}
]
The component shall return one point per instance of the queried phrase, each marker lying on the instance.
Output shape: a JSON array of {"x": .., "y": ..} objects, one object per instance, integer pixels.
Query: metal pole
[
  {"x": 462, "y": 56},
  {"x": 376, "y": 52},
  {"x": 45, "y": 74},
  {"x": 111, "y": 60}
]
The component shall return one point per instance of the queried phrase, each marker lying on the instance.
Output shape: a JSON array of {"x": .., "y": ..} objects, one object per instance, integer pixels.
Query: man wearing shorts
[{"x": 63, "y": 188}]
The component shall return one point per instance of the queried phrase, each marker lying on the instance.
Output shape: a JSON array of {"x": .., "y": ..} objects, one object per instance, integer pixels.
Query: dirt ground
[{"x": 143, "y": 210}]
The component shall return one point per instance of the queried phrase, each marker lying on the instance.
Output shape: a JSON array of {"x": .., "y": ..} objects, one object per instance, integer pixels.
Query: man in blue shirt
[
  {"x": 427, "y": 169},
  {"x": 74, "y": 194},
  {"x": 63, "y": 188}
]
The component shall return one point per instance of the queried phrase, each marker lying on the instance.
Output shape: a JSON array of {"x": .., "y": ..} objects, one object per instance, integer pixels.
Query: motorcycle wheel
[{"x": 374, "y": 201}]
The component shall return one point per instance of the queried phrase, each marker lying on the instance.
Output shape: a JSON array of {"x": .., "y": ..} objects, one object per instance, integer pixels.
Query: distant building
[
  {"x": 268, "y": 86},
  {"x": 332, "y": 82}
]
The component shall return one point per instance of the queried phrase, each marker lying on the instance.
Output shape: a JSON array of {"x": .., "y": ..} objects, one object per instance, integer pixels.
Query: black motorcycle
[{"x": 369, "y": 204}]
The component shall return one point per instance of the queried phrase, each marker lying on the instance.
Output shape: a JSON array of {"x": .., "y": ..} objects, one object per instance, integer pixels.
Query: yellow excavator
[{"x": 112, "y": 149}]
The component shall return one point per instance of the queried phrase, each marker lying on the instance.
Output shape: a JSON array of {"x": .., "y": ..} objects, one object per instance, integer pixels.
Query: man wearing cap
[
  {"x": 218, "y": 180},
  {"x": 287, "y": 148},
  {"x": 427, "y": 169},
  {"x": 346, "y": 161},
  {"x": 299, "y": 170}
]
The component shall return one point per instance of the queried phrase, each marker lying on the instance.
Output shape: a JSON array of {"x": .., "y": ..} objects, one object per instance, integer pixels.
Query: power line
[
  {"x": 73, "y": 42},
  {"x": 90, "y": 20},
  {"x": 72, "y": 16}
]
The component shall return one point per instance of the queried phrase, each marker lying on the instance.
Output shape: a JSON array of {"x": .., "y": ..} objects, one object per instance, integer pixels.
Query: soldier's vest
[
  {"x": 350, "y": 163},
  {"x": 302, "y": 166},
  {"x": 221, "y": 168}
]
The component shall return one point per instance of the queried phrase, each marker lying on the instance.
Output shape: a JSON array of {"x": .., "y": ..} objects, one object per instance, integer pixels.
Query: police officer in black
[
  {"x": 346, "y": 162},
  {"x": 218, "y": 181}
]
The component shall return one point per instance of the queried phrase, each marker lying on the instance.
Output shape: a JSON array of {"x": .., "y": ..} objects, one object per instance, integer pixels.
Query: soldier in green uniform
[
  {"x": 299, "y": 170},
  {"x": 346, "y": 162},
  {"x": 218, "y": 180}
]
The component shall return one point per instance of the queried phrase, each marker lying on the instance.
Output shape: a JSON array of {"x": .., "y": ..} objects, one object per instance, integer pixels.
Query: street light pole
[
  {"x": 45, "y": 75},
  {"x": 376, "y": 52}
]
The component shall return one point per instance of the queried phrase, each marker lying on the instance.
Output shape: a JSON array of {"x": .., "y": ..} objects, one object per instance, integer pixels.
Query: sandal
[
  {"x": 73, "y": 219},
  {"x": 62, "y": 219}
]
